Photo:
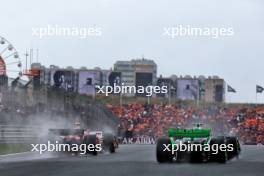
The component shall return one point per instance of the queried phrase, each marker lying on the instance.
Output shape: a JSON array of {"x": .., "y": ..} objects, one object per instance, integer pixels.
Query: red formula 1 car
[{"x": 101, "y": 141}]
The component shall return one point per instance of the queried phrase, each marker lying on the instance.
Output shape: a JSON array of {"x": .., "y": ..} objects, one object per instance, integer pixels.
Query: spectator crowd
[{"x": 142, "y": 120}]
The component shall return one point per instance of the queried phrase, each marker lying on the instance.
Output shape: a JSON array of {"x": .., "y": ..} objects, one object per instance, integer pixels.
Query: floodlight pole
[
  {"x": 26, "y": 54},
  {"x": 169, "y": 93},
  {"x": 256, "y": 97},
  {"x": 121, "y": 99}
]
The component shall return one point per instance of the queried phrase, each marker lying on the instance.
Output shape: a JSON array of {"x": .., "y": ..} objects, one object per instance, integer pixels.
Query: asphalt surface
[{"x": 130, "y": 160}]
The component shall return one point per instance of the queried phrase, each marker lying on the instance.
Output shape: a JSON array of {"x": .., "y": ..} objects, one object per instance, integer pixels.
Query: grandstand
[{"x": 138, "y": 119}]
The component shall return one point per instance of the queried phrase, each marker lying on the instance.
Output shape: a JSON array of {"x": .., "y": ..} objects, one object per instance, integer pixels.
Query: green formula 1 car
[{"x": 196, "y": 145}]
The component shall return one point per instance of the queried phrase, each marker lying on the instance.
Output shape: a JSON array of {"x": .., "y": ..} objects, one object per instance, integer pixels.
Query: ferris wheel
[{"x": 10, "y": 62}]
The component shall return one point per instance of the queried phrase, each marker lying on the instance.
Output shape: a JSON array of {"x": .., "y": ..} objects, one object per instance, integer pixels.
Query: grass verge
[{"x": 14, "y": 148}]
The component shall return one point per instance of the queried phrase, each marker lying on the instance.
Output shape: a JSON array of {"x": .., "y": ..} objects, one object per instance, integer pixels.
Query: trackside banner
[{"x": 138, "y": 140}]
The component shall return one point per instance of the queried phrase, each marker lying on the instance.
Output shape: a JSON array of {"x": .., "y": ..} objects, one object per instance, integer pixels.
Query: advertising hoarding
[{"x": 187, "y": 89}]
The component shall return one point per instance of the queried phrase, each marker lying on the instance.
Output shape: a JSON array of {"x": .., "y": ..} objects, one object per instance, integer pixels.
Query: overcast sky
[{"x": 132, "y": 28}]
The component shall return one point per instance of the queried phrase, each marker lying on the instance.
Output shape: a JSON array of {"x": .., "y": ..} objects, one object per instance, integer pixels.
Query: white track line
[{"x": 13, "y": 154}]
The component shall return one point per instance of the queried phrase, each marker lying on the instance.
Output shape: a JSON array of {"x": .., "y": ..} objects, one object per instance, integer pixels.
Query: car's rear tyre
[
  {"x": 109, "y": 142},
  {"x": 236, "y": 147},
  {"x": 220, "y": 156},
  {"x": 91, "y": 139},
  {"x": 164, "y": 155},
  {"x": 112, "y": 148}
]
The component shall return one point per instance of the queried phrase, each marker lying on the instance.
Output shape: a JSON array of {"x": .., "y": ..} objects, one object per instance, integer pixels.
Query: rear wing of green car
[{"x": 189, "y": 133}]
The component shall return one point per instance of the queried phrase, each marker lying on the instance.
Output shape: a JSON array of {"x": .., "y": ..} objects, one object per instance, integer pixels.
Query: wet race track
[{"x": 130, "y": 160}]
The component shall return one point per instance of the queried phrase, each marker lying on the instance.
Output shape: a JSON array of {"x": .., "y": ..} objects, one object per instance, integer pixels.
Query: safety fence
[{"x": 18, "y": 133}]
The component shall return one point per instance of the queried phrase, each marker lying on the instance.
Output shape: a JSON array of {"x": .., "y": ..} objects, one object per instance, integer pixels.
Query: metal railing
[{"x": 18, "y": 133}]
